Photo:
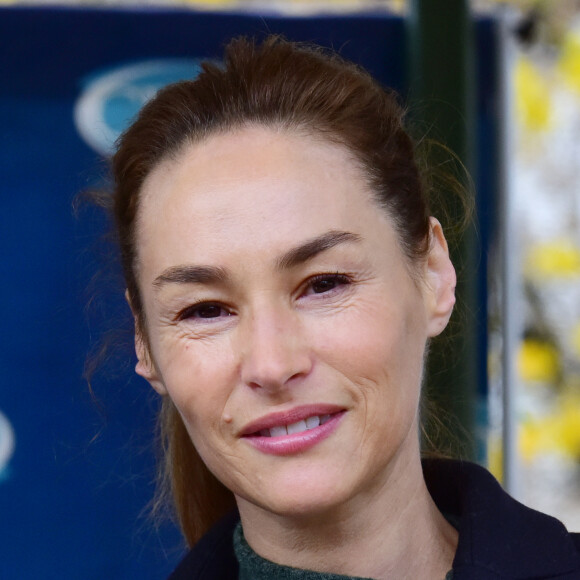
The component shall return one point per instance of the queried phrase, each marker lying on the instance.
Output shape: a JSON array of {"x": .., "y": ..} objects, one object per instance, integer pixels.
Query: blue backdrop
[{"x": 76, "y": 474}]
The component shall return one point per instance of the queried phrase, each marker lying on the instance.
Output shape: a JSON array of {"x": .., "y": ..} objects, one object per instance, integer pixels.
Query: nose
[{"x": 275, "y": 350}]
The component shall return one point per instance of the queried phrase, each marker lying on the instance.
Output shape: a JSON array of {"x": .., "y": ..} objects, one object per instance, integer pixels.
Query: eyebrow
[
  {"x": 312, "y": 248},
  {"x": 191, "y": 274}
]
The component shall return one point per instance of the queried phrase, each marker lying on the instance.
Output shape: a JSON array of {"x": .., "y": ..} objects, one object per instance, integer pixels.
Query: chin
[{"x": 309, "y": 495}]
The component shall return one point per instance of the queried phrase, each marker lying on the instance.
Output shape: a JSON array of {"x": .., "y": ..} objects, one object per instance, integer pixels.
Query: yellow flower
[
  {"x": 538, "y": 361},
  {"x": 576, "y": 340},
  {"x": 495, "y": 457},
  {"x": 558, "y": 432},
  {"x": 532, "y": 95},
  {"x": 569, "y": 421},
  {"x": 569, "y": 62},
  {"x": 557, "y": 259},
  {"x": 535, "y": 438}
]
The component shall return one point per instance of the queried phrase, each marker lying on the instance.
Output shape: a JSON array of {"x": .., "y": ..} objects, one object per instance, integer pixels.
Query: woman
[{"x": 285, "y": 275}]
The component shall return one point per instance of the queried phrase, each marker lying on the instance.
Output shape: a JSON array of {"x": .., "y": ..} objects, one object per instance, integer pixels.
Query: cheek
[
  {"x": 199, "y": 379},
  {"x": 380, "y": 342},
  {"x": 200, "y": 395},
  {"x": 380, "y": 352}
]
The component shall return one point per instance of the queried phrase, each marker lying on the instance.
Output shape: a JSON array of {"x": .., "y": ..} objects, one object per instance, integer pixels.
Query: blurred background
[{"x": 499, "y": 82}]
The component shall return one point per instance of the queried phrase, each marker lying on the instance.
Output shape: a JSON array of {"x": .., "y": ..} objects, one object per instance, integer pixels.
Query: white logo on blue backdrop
[
  {"x": 7, "y": 442},
  {"x": 112, "y": 98}
]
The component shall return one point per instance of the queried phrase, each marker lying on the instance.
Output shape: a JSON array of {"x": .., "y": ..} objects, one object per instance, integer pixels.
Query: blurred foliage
[
  {"x": 538, "y": 361},
  {"x": 549, "y": 356},
  {"x": 553, "y": 259},
  {"x": 551, "y": 18},
  {"x": 569, "y": 61},
  {"x": 532, "y": 91},
  {"x": 557, "y": 432},
  {"x": 546, "y": 76}
]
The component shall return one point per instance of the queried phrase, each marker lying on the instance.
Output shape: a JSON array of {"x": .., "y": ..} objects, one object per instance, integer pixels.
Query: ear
[
  {"x": 440, "y": 281},
  {"x": 145, "y": 366}
]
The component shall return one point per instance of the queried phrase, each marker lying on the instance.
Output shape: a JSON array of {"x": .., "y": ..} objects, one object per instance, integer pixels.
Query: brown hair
[{"x": 283, "y": 85}]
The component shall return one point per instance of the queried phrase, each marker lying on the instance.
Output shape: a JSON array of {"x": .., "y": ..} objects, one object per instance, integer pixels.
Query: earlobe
[
  {"x": 145, "y": 366},
  {"x": 441, "y": 280}
]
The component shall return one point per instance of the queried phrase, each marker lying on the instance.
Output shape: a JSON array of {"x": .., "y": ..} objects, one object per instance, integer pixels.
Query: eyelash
[
  {"x": 336, "y": 279},
  {"x": 190, "y": 311}
]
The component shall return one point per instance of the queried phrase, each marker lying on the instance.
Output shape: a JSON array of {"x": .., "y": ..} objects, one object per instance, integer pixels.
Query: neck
[{"x": 391, "y": 531}]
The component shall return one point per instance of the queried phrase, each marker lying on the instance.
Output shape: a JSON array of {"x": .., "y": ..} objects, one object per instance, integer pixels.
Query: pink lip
[
  {"x": 289, "y": 417},
  {"x": 296, "y": 442}
]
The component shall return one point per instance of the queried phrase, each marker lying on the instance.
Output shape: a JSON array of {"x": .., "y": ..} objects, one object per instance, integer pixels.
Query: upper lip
[{"x": 289, "y": 416}]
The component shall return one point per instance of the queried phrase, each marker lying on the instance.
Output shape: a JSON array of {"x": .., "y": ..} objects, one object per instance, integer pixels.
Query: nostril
[
  {"x": 276, "y": 372},
  {"x": 274, "y": 352}
]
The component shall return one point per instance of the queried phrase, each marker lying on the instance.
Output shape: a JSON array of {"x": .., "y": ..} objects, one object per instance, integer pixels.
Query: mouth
[
  {"x": 291, "y": 421},
  {"x": 298, "y": 427},
  {"x": 294, "y": 431}
]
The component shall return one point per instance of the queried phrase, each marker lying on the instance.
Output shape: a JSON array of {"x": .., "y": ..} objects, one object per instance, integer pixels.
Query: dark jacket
[{"x": 499, "y": 538}]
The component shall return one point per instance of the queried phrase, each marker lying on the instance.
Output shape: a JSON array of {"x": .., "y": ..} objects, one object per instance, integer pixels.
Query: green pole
[{"x": 441, "y": 80}]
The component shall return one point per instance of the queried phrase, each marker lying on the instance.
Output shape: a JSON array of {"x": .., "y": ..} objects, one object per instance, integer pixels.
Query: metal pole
[
  {"x": 510, "y": 285},
  {"x": 441, "y": 80}
]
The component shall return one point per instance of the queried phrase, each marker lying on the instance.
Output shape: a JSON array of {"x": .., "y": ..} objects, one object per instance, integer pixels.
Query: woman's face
[{"x": 282, "y": 319}]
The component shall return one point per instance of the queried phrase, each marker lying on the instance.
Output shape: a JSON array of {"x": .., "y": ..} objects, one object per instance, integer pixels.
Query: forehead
[
  {"x": 260, "y": 184},
  {"x": 225, "y": 160}
]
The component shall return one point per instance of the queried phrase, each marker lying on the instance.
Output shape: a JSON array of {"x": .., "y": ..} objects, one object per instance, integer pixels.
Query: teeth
[
  {"x": 298, "y": 427},
  {"x": 312, "y": 422},
  {"x": 278, "y": 431}
]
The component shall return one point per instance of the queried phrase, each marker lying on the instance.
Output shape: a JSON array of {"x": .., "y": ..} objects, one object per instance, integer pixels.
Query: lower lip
[{"x": 297, "y": 442}]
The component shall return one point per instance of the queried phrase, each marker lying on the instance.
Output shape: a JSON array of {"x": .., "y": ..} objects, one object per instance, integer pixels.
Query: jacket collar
[{"x": 498, "y": 536}]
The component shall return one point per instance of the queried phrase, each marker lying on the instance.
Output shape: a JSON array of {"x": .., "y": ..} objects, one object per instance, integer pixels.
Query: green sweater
[{"x": 254, "y": 567}]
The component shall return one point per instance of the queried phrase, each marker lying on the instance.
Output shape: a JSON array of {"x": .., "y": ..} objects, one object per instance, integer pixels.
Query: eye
[
  {"x": 204, "y": 310},
  {"x": 324, "y": 283}
]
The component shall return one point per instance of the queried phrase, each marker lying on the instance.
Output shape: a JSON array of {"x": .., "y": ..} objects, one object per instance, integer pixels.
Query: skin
[{"x": 346, "y": 326}]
